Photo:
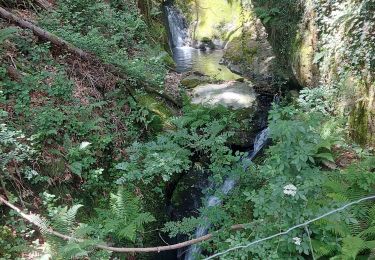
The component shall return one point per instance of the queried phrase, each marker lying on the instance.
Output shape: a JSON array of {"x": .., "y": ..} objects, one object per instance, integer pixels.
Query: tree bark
[{"x": 61, "y": 43}]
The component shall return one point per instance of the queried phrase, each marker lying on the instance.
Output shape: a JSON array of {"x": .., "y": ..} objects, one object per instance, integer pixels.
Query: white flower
[
  {"x": 297, "y": 241},
  {"x": 84, "y": 145},
  {"x": 290, "y": 189}
]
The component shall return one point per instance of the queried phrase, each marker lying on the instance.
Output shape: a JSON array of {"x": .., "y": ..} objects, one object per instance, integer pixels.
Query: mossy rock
[
  {"x": 168, "y": 60},
  {"x": 217, "y": 19},
  {"x": 194, "y": 80},
  {"x": 251, "y": 54},
  {"x": 161, "y": 111}
]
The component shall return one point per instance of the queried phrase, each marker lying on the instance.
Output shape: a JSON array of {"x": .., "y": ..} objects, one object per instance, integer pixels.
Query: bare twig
[{"x": 29, "y": 218}]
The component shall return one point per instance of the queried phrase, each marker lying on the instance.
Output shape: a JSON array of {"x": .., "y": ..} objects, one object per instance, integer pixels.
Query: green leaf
[
  {"x": 326, "y": 156},
  {"x": 76, "y": 168}
]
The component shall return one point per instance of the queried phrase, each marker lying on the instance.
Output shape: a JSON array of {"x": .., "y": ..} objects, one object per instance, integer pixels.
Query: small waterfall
[
  {"x": 228, "y": 185},
  {"x": 178, "y": 32}
]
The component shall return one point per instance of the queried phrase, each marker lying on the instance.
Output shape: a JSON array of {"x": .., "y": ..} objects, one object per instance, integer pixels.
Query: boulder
[
  {"x": 195, "y": 79},
  {"x": 255, "y": 59},
  {"x": 237, "y": 96},
  {"x": 231, "y": 94}
]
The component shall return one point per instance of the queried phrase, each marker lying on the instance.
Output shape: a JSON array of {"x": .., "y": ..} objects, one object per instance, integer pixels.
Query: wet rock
[
  {"x": 240, "y": 80},
  {"x": 243, "y": 100},
  {"x": 195, "y": 79},
  {"x": 256, "y": 59},
  {"x": 231, "y": 94},
  {"x": 186, "y": 197}
]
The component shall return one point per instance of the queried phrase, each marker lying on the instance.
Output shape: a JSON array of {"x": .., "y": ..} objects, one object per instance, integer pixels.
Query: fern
[
  {"x": 64, "y": 220},
  {"x": 368, "y": 233},
  {"x": 323, "y": 249},
  {"x": 352, "y": 246},
  {"x": 125, "y": 218}
]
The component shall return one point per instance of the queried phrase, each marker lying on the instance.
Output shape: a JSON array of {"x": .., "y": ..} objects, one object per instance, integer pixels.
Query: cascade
[
  {"x": 178, "y": 32},
  {"x": 188, "y": 58},
  {"x": 228, "y": 185}
]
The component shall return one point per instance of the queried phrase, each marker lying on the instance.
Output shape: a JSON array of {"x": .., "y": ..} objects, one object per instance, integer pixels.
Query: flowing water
[
  {"x": 178, "y": 33},
  {"x": 208, "y": 63},
  {"x": 188, "y": 58},
  {"x": 229, "y": 183}
]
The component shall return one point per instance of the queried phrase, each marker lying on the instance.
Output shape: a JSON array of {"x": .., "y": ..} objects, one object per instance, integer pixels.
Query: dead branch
[
  {"x": 61, "y": 43},
  {"x": 158, "y": 249}
]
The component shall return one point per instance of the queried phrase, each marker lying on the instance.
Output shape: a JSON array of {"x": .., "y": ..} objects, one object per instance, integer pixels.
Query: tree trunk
[{"x": 61, "y": 43}]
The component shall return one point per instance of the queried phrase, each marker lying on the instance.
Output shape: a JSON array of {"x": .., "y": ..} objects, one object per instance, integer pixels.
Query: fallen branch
[
  {"x": 30, "y": 219},
  {"x": 61, "y": 43},
  {"x": 44, "y": 4}
]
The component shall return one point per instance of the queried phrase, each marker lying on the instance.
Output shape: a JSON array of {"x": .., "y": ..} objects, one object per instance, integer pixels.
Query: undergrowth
[{"x": 80, "y": 150}]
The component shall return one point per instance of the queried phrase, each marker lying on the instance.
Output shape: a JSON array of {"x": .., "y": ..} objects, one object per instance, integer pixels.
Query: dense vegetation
[{"x": 95, "y": 155}]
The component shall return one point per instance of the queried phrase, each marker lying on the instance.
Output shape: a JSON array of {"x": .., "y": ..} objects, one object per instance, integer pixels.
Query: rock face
[
  {"x": 328, "y": 43},
  {"x": 212, "y": 23},
  {"x": 251, "y": 54}
]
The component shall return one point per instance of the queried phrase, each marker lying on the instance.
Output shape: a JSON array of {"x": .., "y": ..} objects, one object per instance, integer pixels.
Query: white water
[
  {"x": 179, "y": 36},
  {"x": 191, "y": 59},
  {"x": 228, "y": 185}
]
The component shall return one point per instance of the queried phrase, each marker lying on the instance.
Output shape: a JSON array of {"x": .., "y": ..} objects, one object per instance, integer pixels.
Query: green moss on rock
[
  {"x": 161, "y": 111},
  {"x": 193, "y": 80}
]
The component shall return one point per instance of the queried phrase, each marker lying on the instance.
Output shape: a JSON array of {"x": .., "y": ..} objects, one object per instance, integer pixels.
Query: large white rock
[{"x": 232, "y": 94}]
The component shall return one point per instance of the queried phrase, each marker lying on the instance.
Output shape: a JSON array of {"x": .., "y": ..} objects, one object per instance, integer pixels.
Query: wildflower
[
  {"x": 297, "y": 241},
  {"x": 84, "y": 145},
  {"x": 290, "y": 189}
]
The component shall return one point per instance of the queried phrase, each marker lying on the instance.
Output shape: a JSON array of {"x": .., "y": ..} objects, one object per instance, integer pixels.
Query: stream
[
  {"x": 192, "y": 59},
  {"x": 206, "y": 62}
]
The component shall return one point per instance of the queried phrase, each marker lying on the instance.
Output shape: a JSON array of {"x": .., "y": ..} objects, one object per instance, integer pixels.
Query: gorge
[{"x": 187, "y": 129}]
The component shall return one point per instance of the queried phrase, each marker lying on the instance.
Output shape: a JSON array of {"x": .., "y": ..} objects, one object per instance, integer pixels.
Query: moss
[
  {"x": 362, "y": 117},
  {"x": 168, "y": 60},
  {"x": 192, "y": 81},
  {"x": 359, "y": 123},
  {"x": 161, "y": 111},
  {"x": 217, "y": 19},
  {"x": 237, "y": 54}
]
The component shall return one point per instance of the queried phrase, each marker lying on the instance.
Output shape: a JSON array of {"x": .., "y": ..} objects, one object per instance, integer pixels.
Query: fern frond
[
  {"x": 368, "y": 233},
  {"x": 42, "y": 223},
  {"x": 73, "y": 251},
  {"x": 370, "y": 244},
  {"x": 323, "y": 249},
  {"x": 371, "y": 214},
  {"x": 125, "y": 218},
  {"x": 70, "y": 215},
  {"x": 352, "y": 246},
  {"x": 356, "y": 194},
  {"x": 144, "y": 218},
  {"x": 338, "y": 197},
  {"x": 355, "y": 228},
  {"x": 124, "y": 204},
  {"x": 336, "y": 185},
  {"x": 65, "y": 219},
  {"x": 129, "y": 231},
  {"x": 336, "y": 228}
]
